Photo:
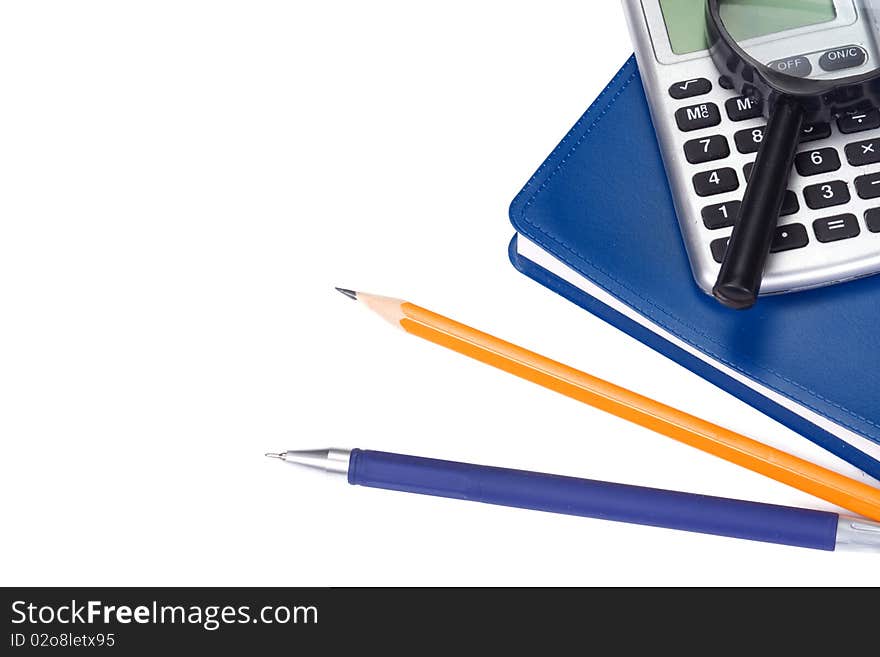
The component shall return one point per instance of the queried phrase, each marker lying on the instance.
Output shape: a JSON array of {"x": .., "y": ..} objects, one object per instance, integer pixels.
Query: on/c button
[{"x": 837, "y": 59}]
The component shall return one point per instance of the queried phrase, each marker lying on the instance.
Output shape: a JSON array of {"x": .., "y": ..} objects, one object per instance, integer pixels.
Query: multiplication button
[{"x": 862, "y": 153}]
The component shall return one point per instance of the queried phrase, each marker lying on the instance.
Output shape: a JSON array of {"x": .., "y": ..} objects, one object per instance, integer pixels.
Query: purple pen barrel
[{"x": 595, "y": 499}]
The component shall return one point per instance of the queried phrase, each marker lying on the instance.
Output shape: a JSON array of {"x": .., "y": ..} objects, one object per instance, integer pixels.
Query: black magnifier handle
[{"x": 739, "y": 280}]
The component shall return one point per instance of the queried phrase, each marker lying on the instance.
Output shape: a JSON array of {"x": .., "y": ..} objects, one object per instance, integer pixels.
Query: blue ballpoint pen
[{"x": 820, "y": 530}]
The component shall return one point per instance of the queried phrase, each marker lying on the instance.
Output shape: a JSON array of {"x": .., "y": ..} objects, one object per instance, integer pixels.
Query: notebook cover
[{"x": 601, "y": 204}]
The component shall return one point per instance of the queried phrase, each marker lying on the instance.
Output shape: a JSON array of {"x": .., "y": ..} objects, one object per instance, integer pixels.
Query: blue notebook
[{"x": 596, "y": 224}]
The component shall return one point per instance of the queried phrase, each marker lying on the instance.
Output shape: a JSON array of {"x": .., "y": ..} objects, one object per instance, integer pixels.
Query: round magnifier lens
[{"x": 807, "y": 40}]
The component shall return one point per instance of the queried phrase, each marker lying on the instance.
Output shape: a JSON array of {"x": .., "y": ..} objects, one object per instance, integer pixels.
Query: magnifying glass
[{"x": 806, "y": 62}]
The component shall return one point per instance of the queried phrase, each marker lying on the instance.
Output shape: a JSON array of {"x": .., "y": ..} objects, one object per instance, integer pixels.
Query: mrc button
[
  {"x": 798, "y": 66},
  {"x": 841, "y": 58}
]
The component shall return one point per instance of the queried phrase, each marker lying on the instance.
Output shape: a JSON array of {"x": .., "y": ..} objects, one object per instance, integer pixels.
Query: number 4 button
[{"x": 718, "y": 181}]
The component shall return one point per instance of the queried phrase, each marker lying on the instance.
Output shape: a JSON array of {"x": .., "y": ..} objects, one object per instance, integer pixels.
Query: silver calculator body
[{"x": 829, "y": 228}]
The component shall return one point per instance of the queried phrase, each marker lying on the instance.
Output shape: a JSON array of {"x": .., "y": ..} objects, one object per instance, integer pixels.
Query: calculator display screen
[{"x": 686, "y": 19}]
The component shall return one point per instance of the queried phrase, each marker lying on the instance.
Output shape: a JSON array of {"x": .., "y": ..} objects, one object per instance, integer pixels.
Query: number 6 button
[
  {"x": 718, "y": 181},
  {"x": 812, "y": 163}
]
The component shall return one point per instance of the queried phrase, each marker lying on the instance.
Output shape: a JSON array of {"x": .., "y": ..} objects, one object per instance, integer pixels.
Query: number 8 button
[{"x": 749, "y": 140}]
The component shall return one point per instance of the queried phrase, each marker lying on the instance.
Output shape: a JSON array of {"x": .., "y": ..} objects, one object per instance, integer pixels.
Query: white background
[{"x": 182, "y": 185}]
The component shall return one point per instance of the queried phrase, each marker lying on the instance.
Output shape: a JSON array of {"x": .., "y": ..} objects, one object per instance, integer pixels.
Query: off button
[
  {"x": 799, "y": 67},
  {"x": 841, "y": 58}
]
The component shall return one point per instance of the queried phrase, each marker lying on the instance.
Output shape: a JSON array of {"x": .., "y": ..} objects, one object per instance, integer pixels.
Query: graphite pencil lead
[
  {"x": 275, "y": 456},
  {"x": 351, "y": 294}
]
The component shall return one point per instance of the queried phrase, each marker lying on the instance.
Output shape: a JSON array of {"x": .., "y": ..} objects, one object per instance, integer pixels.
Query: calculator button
[
  {"x": 719, "y": 248},
  {"x": 826, "y": 195},
  {"x": 868, "y": 186},
  {"x": 747, "y": 170},
  {"x": 707, "y": 149},
  {"x": 742, "y": 108},
  {"x": 690, "y": 88},
  {"x": 697, "y": 117},
  {"x": 838, "y": 59},
  {"x": 786, "y": 238},
  {"x": 749, "y": 140},
  {"x": 812, "y": 163},
  {"x": 799, "y": 67},
  {"x": 872, "y": 220},
  {"x": 725, "y": 82},
  {"x": 722, "y": 215},
  {"x": 859, "y": 121},
  {"x": 790, "y": 237},
  {"x": 841, "y": 227},
  {"x": 815, "y": 131},
  {"x": 718, "y": 181},
  {"x": 790, "y": 204},
  {"x": 863, "y": 152}
]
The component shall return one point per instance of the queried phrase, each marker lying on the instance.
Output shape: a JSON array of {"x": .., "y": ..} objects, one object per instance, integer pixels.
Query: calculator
[{"x": 829, "y": 226}]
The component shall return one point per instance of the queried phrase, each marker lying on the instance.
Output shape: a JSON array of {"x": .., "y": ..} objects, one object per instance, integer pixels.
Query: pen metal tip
[
  {"x": 275, "y": 456},
  {"x": 351, "y": 294}
]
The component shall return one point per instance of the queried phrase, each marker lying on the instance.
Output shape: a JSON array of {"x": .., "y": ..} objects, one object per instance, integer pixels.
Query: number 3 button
[
  {"x": 718, "y": 181},
  {"x": 827, "y": 194}
]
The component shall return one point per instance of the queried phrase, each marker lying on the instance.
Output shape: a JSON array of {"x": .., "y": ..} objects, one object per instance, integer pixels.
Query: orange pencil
[{"x": 691, "y": 430}]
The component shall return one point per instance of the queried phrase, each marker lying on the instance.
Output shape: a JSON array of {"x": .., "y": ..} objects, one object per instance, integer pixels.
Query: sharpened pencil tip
[
  {"x": 351, "y": 294},
  {"x": 275, "y": 456}
]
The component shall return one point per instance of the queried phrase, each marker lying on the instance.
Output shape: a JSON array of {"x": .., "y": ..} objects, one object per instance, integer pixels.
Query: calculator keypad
[{"x": 722, "y": 132}]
